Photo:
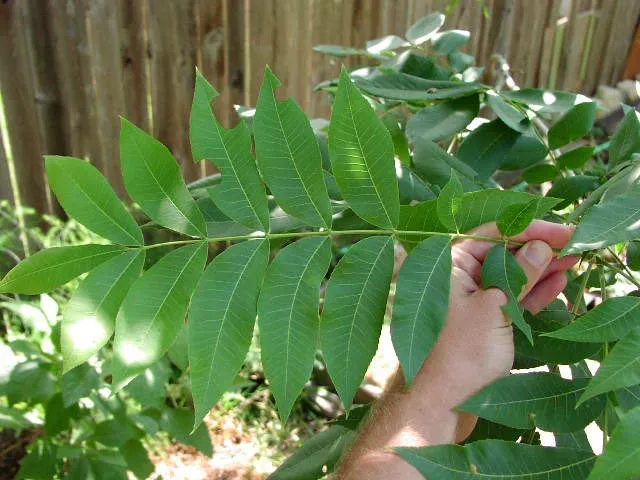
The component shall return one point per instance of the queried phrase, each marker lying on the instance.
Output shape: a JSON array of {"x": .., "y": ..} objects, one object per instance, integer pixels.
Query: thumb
[{"x": 534, "y": 257}]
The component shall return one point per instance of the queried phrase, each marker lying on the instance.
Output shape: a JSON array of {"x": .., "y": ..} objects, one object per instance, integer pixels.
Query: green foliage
[{"x": 405, "y": 159}]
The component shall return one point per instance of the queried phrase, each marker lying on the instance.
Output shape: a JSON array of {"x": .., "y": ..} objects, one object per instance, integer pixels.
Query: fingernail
[{"x": 537, "y": 253}]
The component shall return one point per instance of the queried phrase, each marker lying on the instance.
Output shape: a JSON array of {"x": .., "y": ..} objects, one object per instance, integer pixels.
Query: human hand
[{"x": 476, "y": 347}]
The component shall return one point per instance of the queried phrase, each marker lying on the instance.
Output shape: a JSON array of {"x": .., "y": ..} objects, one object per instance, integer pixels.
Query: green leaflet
[
  {"x": 570, "y": 189},
  {"x": 13, "y": 418},
  {"x": 501, "y": 270},
  {"x": 621, "y": 458},
  {"x": 609, "y": 321},
  {"x": 152, "y": 178},
  {"x": 78, "y": 383},
  {"x": 223, "y": 314},
  {"x": 486, "y": 147},
  {"x": 361, "y": 152},
  {"x": 288, "y": 317},
  {"x": 30, "y": 381},
  {"x": 421, "y": 303},
  {"x": 527, "y": 150},
  {"x": 86, "y": 195},
  {"x": 354, "y": 308},
  {"x": 621, "y": 368},
  {"x": 448, "y": 42},
  {"x": 497, "y": 459},
  {"x": 241, "y": 194},
  {"x": 149, "y": 388},
  {"x": 510, "y": 115},
  {"x": 575, "y": 158},
  {"x": 179, "y": 422},
  {"x": 434, "y": 165},
  {"x": 607, "y": 224},
  {"x": 89, "y": 318},
  {"x": 443, "y": 120},
  {"x": 55, "y": 266},
  {"x": 448, "y": 202},
  {"x": 425, "y": 28},
  {"x": 625, "y": 140},
  {"x": 539, "y": 174},
  {"x": 516, "y": 218},
  {"x": 137, "y": 459},
  {"x": 530, "y": 400},
  {"x": 400, "y": 86},
  {"x": 154, "y": 310},
  {"x": 56, "y": 416},
  {"x": 573, "y": 125},
  {"x": 544, "y": 100},
  {"x": 40, "y": 463},
  {"x": 422, "y": 217},
  {"x": 289, "y": 156}
]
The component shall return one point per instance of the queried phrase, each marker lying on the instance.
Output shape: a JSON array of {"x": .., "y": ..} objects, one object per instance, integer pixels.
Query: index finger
[{"x": 555, "y": 235}]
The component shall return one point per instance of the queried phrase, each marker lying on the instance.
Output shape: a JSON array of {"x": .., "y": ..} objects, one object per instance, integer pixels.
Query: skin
[{"x": 474, "y": 349}]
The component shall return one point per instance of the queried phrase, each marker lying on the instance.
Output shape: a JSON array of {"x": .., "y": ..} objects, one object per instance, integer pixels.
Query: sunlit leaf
[
  {"x": 289, "y": 156},
  {"x": 544, "y": 100},
  {"x": 516, "y": 218},
  {"x": 152, "y": 178},
  {"x": 222, "y": 318},
  {"x": 425, "y": 28},
  {"x": 400, "y": 86},
  {"x": 449, "y": 41},
  {"x": 154, "y": 311},
  {"x": 354, "y": 308},
  {"x": 421, "y": 303},
  {"x": 86, "y": 195},
  {"x": 53, "y": 267},
  {"x": 288, "y": 317}
]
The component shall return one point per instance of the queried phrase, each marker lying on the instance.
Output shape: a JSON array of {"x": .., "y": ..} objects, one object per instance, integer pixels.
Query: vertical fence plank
[
  {"x": 261, "y": 35},
  {"x": 625, "y": 20},
  {"x": 172, "y": 60},
  {"x": 20, "y": 112},
  {"x": 598, "y": 53}
]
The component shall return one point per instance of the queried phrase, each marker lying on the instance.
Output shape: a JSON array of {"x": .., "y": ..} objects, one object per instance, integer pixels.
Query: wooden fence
[{"x": 68, "y": 68}]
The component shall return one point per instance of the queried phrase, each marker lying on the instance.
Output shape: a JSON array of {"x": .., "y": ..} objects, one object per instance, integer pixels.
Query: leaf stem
[{"x": 327, "y": 233}]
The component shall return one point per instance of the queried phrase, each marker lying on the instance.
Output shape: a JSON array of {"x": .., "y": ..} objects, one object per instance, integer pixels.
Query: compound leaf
[
  {"x": 497, "y": 459},
  {"x": 86, "y": 195},
  {"x": 289, "y": 156},
  {"x": 288, "y": 318},
  {"x": 573, "y": 125},
  {"x": 354, "y": 308},
  {"x": 531, "y": 400},
  {"x": 609, "y": 321},
  {"x": 152, "y": 178},
  {"x": 362, "y": 157},
  {"x": 55, "y": 266},
  {"x": 501, "y": 270},
  {"x": 621, "y": 368},
  {"x": 241, "y": 194},
  {"x": 621, "y": 458},
  {"x": 223, "y": 313},
  {"x": 421, "y": 303},
  {"x": 89, "y": 318},
  {"x": 154, "y": 310}
]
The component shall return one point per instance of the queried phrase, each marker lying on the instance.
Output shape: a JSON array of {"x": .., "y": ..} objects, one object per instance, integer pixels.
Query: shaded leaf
[
  {"x": 449, "y": 41},
  {"x": 609, "y": 321},
  {"x": 509, "y": 114},
  {"x": 625, "y": 140},
  {"x": 40, "y": 462},
  {"x": 435, "y": 165},
  {"x": 86, "y": 195},
  {"x": 419, "y": 66},
  {"x": 572, "y": 188},
  {"x": 545, "y": 100},
  {"x": 56, "y": 416},
  {"x": 30, "y": 382},
  {"x": 516, "y": 218},
  {"x": 573, "y": 125},
  {"x": 288, "y": 317},
  {"x": 149, "y": 388},
  {"x": 486, "y": 429},
  {"x": 13, "y": 418},
  {"x": 621, "y": 368},
  {"x": 354, "y": 308},
  {"x": 576, "y": 158},
  {"x": 443, "y": 120},
  {"x": 425, "y": 28},
  {"x": 154, "y": 310},
  {"x": 179, "y": 423},
  {"x": 421, "y": 303},
  {"x": 289, "y": 156},
  {"x": 542, "y": 400},
  {"x": 137, "y": 459},
  {"x": 422, "y": 217},
  {"x": 539, "y": 174},
  {"x": 241, "y": 194},
  {"x": 78, "y": 383},
  {"x": 53, "y": 267},
  {"x": 486, "y": 147},
  {"x": 527, "y": 150},
  {"x": 621, "y": 458},
  {"x": 89, "y": 318},
  {"x": 362, "y": 157},
  {"x": 152, "y": 178},
  {"x": 411, "y": 187},
  {"x": 499, "y": 460},
  {"x": 400, "y": 86},
  {"x": 633, "y": 256},
  {"x": 501, "y": 270},
  {"x": 223, "y": 313}
]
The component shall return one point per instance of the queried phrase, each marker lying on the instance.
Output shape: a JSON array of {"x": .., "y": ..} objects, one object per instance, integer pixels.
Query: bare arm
[{"x": 474, "y": 349}]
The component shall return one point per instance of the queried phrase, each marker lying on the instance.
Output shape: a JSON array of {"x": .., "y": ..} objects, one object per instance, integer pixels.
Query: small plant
[{"x": 378, "y": 181}]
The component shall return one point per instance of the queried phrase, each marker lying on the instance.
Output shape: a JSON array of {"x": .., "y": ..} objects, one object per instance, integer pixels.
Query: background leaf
[
  {"x": 528, "y": 400},
  {"x": 179, "y": 422},
  {"x": 241, "y": 194},
  {"x": 86, "y": 195},
  {"x": 223, "y": 314},
  {"x": 50, "y": 268},
  {"x": 544, "y": 100},
  {"x": 362, "y": 157},
  {"x": 354, "y": 308},
  {"x": 154, "y": 310},
  {"x": 152, "y": 178},
  {"x": 499, "y": 460},
  {"x": 575, "y": 124},
  {"x": 625, "y": 140},
  {"x": 89, "y": 318},
  {"x": 423, "y": 29},
  {"x": 137, "y": 459},
  {"x": 572, "y": 188},
  {"x": 400, "y": 86},
  {"x": 421, "y": 303},
  {"x": 443, "y": 120},
  {"x": 289, "y": 156},
  {"x": 435, "y": 165},
  {"x": 449, "y": 41},
  {"x": 288, "y": 317},
  {"x": 509, "y": 114},
  {"x": 575, "y": 158}
]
